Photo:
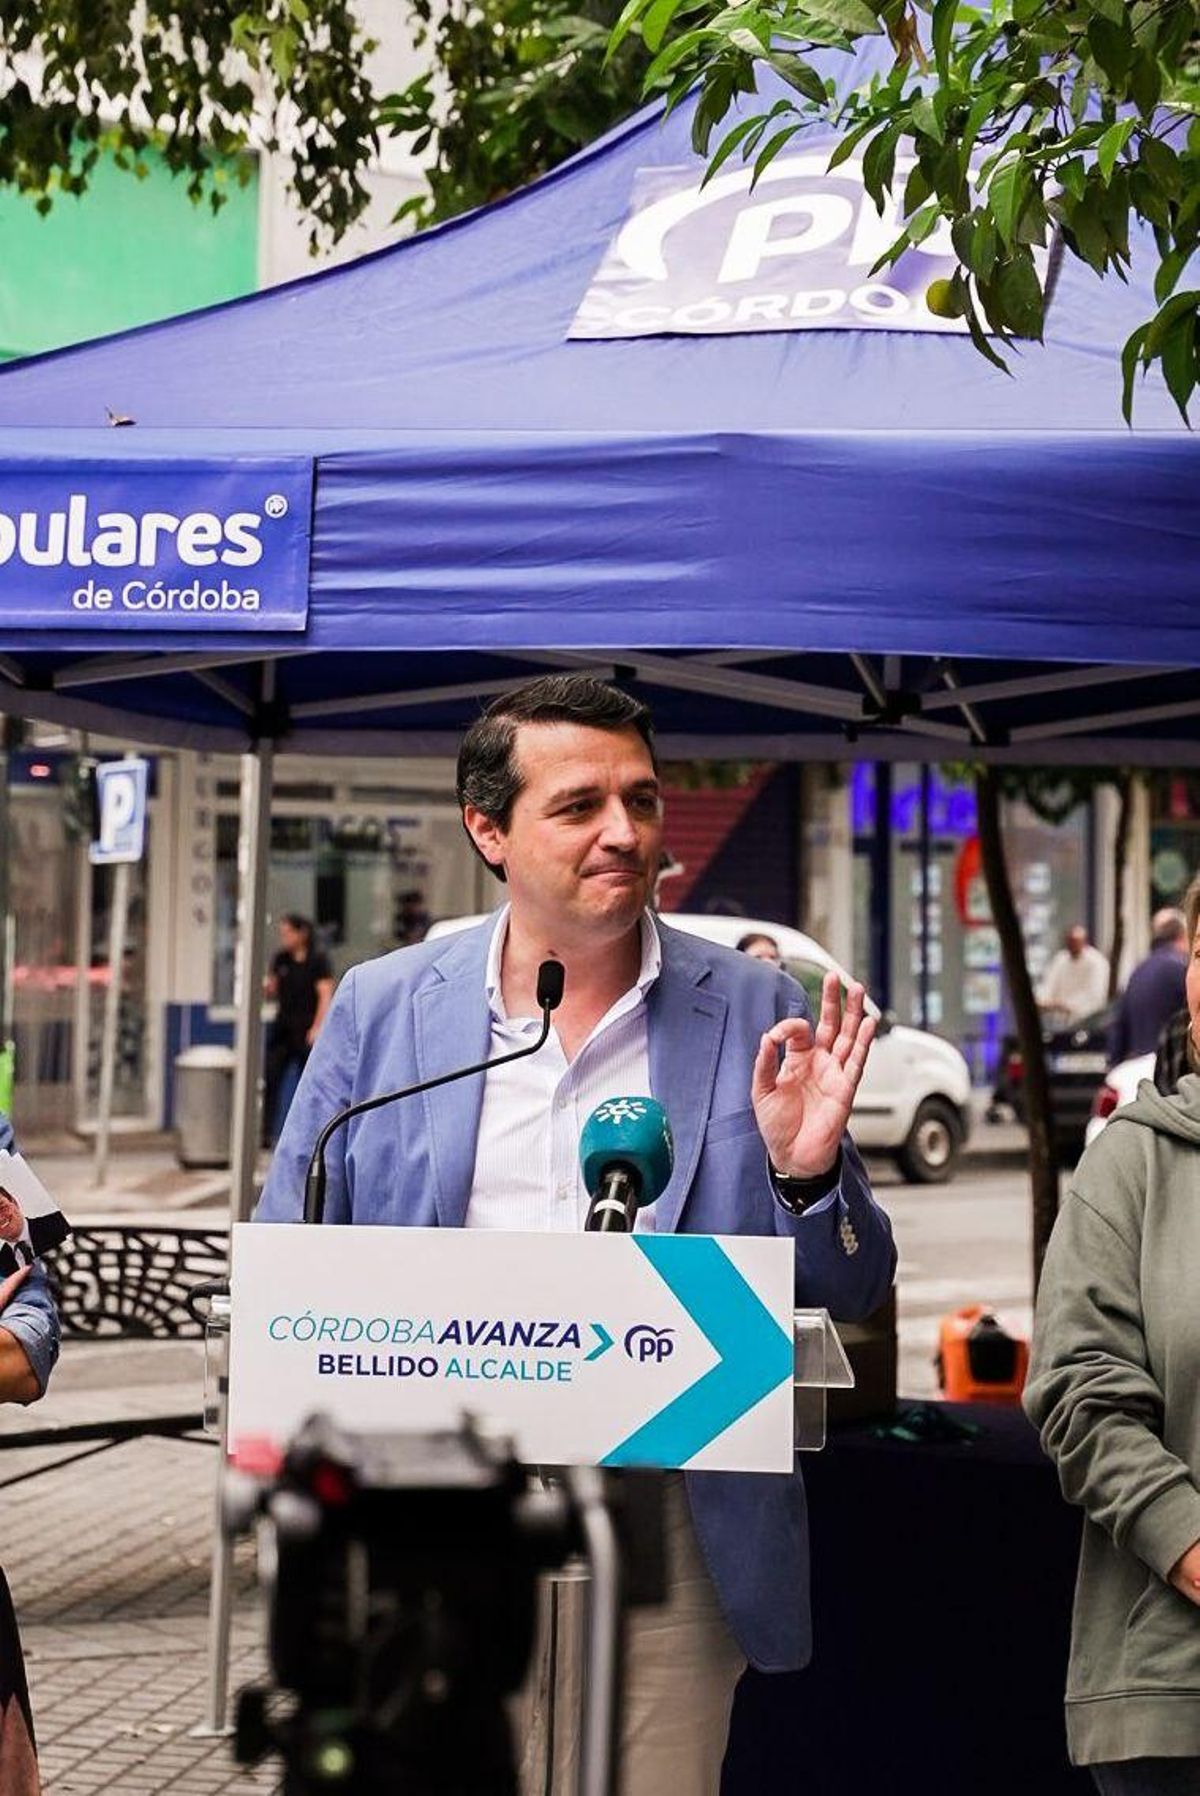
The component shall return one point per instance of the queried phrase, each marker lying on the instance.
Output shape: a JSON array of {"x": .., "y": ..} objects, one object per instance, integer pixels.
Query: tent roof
[
  {"x": 463, "y": 328},
  {"x": 486, "y": 486}
]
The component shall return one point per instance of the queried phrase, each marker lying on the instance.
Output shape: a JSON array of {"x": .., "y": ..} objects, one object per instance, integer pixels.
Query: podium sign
[{"x": 658, "y": 1350}]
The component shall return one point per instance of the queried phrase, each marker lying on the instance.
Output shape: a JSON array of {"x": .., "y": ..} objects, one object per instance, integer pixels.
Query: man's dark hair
[{"x": 488, "y": 776}]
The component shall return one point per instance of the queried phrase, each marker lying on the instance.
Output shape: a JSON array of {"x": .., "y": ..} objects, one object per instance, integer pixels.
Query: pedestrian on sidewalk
[
  {"x": 1155, "y": 992},
  {"x": 301, "y": 983}
]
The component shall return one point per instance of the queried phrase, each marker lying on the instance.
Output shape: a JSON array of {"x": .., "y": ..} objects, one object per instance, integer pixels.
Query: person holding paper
[
  {"x": 29, "y": 1334},
  {"x": 559, "y": 788},
  {"x": 28, "y": 1350}
]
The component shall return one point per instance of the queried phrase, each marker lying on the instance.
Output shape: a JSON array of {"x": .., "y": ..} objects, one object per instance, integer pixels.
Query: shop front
[{"x": 922, "y": 922}]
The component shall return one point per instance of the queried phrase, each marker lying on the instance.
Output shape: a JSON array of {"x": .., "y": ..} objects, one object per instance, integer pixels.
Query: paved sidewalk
[
  {"x": 108, "y": 1554},
  {"x": 108, "y": 1561}
]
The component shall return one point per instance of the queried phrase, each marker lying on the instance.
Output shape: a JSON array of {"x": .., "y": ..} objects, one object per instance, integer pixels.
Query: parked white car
[
  {"x": 1120, "y": 1087},
  {"x": 914, "y": 1099}
]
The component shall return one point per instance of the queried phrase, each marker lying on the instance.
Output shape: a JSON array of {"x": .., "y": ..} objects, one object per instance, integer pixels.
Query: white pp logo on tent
[{"x": 793, "y": 253}]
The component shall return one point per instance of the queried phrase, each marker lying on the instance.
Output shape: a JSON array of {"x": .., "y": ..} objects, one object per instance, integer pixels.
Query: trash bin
[{"x": 204, "y": 1105}]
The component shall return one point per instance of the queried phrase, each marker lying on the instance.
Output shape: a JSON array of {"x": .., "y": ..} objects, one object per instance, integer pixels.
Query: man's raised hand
[{"x": 802, "y": 1101}]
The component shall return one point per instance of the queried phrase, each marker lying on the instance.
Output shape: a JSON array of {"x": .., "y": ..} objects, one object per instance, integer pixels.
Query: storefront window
[
  {"x": 370, "y": 880},
  {"x": 943, "y": 955},
  {"x": 1174, "y": 837}
]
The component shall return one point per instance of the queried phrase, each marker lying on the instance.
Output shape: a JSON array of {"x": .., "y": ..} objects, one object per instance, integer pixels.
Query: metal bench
[{"x": 120, "y": 1282}]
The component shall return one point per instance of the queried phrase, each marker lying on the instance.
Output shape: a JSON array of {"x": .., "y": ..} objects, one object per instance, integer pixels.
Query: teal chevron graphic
[
  {"x": 603, "y": 1341},
  {"x": 756, "y": 1354}
]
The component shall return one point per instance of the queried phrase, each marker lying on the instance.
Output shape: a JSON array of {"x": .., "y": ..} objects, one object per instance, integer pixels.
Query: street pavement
[{"x": 108, "y": 1555}]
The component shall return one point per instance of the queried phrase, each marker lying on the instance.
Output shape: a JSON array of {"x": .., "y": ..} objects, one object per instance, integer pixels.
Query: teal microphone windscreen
[{"x": 632, "y": 1133}]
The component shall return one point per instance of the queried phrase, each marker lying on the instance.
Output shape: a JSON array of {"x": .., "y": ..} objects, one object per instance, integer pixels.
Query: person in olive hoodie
[{"x": 1114, "y": 1387}]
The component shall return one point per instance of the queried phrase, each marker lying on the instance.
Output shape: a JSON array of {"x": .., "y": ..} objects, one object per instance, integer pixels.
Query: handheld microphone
[
  {"x": 550, "y": 980},
  {"x": 627, "y": 1154}
]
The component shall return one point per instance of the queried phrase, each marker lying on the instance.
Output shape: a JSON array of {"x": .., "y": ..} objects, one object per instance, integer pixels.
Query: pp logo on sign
[
  {"x": 121, "y": 787},
  {"x": 644, "y": 1343}
]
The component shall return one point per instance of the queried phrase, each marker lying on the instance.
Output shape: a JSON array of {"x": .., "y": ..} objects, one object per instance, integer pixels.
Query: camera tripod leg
[{"x": 600, "y": 1755}]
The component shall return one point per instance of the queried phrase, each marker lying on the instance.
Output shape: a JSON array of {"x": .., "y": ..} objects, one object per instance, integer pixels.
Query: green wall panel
[{"x": 128, "y": 252}]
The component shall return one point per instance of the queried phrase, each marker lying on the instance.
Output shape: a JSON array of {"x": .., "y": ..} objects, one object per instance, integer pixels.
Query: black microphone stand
[{"x": 549, "y": 997}]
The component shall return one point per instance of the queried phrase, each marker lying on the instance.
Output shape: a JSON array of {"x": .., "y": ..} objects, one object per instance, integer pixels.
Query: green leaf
[
  {"x": 714, "y": 104},
  {"x": 924, "y": 117},
  {"x": 1112, "y": 10},
  {"x": 676, "y": 52},
  {"x": 1090, "y": 235},
  {"x": 283, "y": 52},
  {"x": 657, "y": 18},
  {"x": 1178, "y": 356},
  {"x": 772, "y": 148},
  {"x": 1145, "y": 83},
  {"x": 729, "y": 144},
  {"x": 879, "y": 162},
  {"x": 854, "y": 17},
  {"x": 1111, "y": 145},
  {"x": 981, "y": 110},
  {"x": 962, "y": 236},
  {"x": 1131, "y": 355},
  {"x": 849, "y": 144},
  {"x": 986, "y": 349},
  {"x": 1020, "y": 294},
  {"x": 944, "y": 14},
  {"x": 919, "y": 226},
  {"x": 1006, "y": 195},
  {"x": 916, "y": 189},
  {"x": 627, "y": 18},
  {"x": 1179, "y": 307},
  {"x": 1160, "y": 161},
  {"x": 1072, "y": 176},
  {"x": 799, "y": 74},
  {"x": 750, "y": 42},
  {"x": 1169, "y": 271},
  {"x": 1112, "y": 46}
]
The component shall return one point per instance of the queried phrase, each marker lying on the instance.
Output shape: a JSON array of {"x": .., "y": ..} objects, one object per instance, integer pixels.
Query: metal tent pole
[{"x": 254, "y": 839}]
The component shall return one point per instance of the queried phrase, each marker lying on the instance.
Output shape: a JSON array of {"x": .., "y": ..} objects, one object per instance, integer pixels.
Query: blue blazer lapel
[
  {"x": 686, "y": 1025},
  {"x": 452, "y": 1027}
]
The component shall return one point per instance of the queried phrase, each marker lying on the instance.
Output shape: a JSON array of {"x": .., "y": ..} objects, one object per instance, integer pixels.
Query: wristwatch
[{"x": 797, "y": 1195}]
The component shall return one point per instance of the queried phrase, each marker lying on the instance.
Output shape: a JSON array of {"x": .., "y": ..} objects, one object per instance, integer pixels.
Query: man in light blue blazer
[{"x": 560, "y": 795}]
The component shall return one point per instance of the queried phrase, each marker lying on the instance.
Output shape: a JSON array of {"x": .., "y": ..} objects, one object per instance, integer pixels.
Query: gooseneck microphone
[
  {"x": 627, "y": 1155},
  {"x": 550, "y": 979}
]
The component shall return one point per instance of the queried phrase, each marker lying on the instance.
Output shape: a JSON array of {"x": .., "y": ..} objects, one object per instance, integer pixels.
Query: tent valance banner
[
  {"x": 183, "y": 545},
  {"x": 794, "y": 250}
]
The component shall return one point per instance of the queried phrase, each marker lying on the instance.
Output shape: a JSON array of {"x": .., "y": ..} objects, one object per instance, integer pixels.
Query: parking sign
[{"x": 121, "y": 786}]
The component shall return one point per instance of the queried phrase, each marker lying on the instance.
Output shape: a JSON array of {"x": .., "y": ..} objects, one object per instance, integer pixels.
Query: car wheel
[{"x": 931, "y": 1148}]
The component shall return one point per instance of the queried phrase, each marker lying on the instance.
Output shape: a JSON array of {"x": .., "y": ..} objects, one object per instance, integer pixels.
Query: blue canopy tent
[{"x": 795, "y": 540}]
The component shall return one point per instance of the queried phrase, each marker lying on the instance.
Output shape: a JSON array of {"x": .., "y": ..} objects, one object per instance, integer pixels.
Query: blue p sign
[{"x": 122, "y": 791}]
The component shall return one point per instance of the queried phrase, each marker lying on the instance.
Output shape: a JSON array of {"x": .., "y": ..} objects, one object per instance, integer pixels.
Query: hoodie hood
[{"x": 1178, "y": 1115}]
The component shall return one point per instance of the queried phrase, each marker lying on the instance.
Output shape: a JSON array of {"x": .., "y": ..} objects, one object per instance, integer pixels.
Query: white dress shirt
[
  {"x": 527, "y": 1171},
  {"x": 1076, "y": 984}
]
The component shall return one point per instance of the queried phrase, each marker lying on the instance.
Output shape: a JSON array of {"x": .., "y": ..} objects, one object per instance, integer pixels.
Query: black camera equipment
[{"x": 402, "y": 1609}]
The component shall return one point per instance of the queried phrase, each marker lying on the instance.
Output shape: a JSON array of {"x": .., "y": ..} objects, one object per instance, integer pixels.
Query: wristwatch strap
[{"x": 797, "y": 1195}]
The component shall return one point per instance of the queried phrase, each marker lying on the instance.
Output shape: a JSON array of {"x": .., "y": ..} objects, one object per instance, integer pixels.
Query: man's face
[
  {"x": 1076, "y": 942},
  {"x": 12, "y": 1222},
  {"x": 584, "y": 840}
]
